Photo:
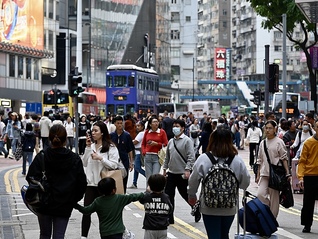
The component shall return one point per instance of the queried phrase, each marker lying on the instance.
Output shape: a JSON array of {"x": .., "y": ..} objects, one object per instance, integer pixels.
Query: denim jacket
[{"x": 13, "y": 132}]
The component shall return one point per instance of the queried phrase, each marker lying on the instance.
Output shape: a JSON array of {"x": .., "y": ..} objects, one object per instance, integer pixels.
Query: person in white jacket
[
  {"x": 254, "y": 135},
  {"x": 45, "y": 125},
  {"x": 102, "y": 153}
]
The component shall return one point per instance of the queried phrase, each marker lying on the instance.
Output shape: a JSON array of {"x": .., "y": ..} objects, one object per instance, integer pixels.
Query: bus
[
  {"x": 131, "y": 89},
  {"x": 212, "y": 108},
  {"x": 176, "y": 108},
  {"x": 292, "y": 104},
  {"x": 60, "y": 101}
]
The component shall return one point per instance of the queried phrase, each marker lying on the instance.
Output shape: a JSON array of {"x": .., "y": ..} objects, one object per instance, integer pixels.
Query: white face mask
[
  {"x": 176, "y": 131},
  {"x": 305, "y": 127}
]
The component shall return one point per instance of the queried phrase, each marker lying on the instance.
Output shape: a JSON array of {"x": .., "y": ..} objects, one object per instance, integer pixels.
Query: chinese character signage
[{"x": 220, "y": 64}]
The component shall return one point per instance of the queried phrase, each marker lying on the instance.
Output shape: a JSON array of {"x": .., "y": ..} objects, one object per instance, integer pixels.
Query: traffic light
[
  {"x": 273, "y": 78},
  {"x": 75, "y": 78},
  {"x": 257, "y": 97}
]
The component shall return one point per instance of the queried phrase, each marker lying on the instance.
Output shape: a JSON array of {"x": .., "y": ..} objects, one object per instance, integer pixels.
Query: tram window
[
  {"x": 110, "y": 109},
  {"x": 120, "y": 109},
  {"x": 109, "y": 82},
  {"x": 130, "y": 108},
  {"x": 139, "y": 84},
  {"x": 120, "y": 81},
  {"x": 131, "y": 81}
]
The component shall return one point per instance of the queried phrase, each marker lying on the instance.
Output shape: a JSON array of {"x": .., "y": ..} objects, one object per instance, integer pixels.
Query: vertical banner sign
[
  {"x": 220, "y": 64},
  {"x": 314, "y": 56},
  {"x": 228, "y": 67}
]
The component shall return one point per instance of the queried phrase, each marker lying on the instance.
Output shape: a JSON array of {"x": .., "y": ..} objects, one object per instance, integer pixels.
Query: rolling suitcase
[
  {"x": 245, "y": 219},
  {"x": 295, "y": 181}
]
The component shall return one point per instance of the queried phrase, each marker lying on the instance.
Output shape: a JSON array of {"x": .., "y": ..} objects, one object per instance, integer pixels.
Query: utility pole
[
  {"x": 193, "y": 80},
  {"x": 266, "y": 79},
  {"x": 284, "y": 104}
]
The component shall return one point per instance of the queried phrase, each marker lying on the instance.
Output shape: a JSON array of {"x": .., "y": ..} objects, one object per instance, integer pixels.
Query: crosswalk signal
[
  {"x": 273, "y": 78},
  {"x": 257, "y": 97},
  {"x": 74, "y": 79}
]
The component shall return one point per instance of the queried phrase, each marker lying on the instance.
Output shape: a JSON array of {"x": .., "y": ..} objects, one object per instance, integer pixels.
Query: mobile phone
[{"x": 89, "y": 133}]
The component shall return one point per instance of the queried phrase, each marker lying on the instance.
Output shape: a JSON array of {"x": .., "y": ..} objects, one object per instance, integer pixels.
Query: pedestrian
[
  {"x": 28, "y": 141},
  {"x": 125, "y": 146},
  {"x": 37, "y": 132},
  {"x": 70, "y": 130},
  {"x": 13, "y": 132},
  {"x": 154, "y": 139},
  {"x": 130, "y": 126},
  {"x": 302, "y": 135},
  {"x": 83, "y": 127},
  {"x": 100, "y": 152},
  {"x": 241, "y": 124},
  {"x": 167, "y": 124},
  {"x": 254, "y": 135},
  {"x": 308, "y": 178},
  {"x": 205, "y": 135},
  {"x": 217, "y": 221},
  {"x": 45, "y": 125},
  {"x": 179, "y": 161},
  {"x": 109, "y": 208},
  {"x": 138, "y": 163},
  {"x": 157, "y": 208},
  {"x": 194, "y": 134},
  {"x": 278, "y": 156},
  {"x": 3, "y": 138},
  {"x": 67, "y": 183}
]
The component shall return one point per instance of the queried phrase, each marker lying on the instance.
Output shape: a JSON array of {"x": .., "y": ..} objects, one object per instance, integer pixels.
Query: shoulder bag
[
  {"x": 277, "y": 174},
  {"x": 174, "y": 142},
  {"x": 117, "y": 174},
  {"x": 37, "y": 193}
]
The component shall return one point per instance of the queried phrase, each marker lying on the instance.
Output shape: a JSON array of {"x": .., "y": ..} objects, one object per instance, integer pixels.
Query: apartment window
[
  {"x": 175, "y": 34},
  {"x": 28, "y": 62},
  {"x": 51, "y": 8},
  {"x": 277, "y": 35},
  {"x": 224, "y": 12},
  {"x": 175, "y": 70},
  {"x": 188, "y": 18},
  {"x": 20, "y": 66},
  {"x": 277, "y": 48},
  {"x": 51, "y": 39},
  {"x": 12, "y": 66},
  {"x": 297, "y": 34},
  {"x": 174, "y": 1},
  {"x": 175, "y": 52},
  {"x": 36, "y": 69},
  {"x": 225, "y": 24},
  {"x": 298, "y": 62},
  {"x": 175, "y": 17},
  {"x": 57, "y": 17}
]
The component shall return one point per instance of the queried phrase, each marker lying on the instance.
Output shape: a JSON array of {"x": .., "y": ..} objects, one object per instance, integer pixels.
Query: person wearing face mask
[
  {"x": 301, "y": 137},
  {"x": 179, "y": 160}
]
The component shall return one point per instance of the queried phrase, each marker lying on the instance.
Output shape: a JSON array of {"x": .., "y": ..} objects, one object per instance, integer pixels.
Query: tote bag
[{"x": 117, "y": 176}]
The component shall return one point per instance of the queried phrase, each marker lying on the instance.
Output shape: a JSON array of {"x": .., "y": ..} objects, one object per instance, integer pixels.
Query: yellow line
[
  {"x": 15, "y": 180},
  {"x": 7, "y": 181},
  {"x": 184, "y": 227}
]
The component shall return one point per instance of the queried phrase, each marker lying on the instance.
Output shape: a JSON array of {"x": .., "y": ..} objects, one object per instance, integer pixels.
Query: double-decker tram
[{"x": 130, "y": 89}]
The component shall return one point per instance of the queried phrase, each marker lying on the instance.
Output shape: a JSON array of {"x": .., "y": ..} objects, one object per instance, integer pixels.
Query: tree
[{"x": 272, "y": 11}]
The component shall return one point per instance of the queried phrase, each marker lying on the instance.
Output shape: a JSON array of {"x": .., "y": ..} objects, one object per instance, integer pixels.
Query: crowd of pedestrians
[{"x": 136, "y": 142}]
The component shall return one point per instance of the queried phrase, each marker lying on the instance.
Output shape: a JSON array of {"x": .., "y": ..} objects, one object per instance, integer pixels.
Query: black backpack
[
  {"x": 220, "y": 186},
  {"x": 28, "y": 143}
]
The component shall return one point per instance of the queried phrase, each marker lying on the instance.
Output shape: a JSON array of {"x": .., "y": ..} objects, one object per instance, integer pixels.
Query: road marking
[
  {"x": 15, "y": 180},
  {"x": 170, "y": 236},
  {"x": 7, "y": 180},
  {"x": 24, "y": 214},
  {"x": 287, "y": 234}
]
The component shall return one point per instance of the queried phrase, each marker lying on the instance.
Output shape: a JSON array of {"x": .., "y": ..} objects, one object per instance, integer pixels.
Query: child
[
  {"x": 28, "y": 141},
  {"x": 157, "y": 208},
  {"x": 109, "y": 209}
]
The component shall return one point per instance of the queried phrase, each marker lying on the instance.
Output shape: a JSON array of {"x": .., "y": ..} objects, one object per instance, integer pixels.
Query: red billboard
[
  {"x": 21, "y": 23},
  {"x": 220, "y": 64}
]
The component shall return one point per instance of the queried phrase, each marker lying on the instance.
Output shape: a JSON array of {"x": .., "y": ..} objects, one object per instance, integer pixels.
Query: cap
[
  {"x": 14, "y": 113},
  {"x": 82, "y": 115}
]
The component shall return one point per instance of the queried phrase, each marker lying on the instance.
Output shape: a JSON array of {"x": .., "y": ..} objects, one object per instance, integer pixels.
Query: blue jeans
[
  {"x": 152, "y": 165},
  {"x": 138, "y": 169},
  {"x": 237, "y": 139},
  {"x": 14, "y": 143},
  {"x": 47, "y": 223},
  {"x": 27, "y": 156},
  {"x": 2, "y": 149},
  {"x": 217, "y": 227}
]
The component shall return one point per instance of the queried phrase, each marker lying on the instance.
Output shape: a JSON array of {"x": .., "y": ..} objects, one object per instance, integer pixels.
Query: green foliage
[{"x": 272, "y": 11}]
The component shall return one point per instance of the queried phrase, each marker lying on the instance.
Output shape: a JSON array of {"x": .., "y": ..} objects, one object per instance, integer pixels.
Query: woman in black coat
[
  {"x": 67, "y": 183},
  {"x": 205, "y": 135}
]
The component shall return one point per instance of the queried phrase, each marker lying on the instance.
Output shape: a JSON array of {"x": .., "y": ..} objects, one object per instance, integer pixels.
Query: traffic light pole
[
  {"x": 284, "y": 98},
  {"x": 266, "y": 96},
  {"x": 75, "y": 105}
]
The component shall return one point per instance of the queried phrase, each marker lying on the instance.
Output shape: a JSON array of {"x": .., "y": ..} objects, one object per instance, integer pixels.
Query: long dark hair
[
  {"x": 221, "y": 143},
  {"x": 57, "y": 135},
  {"x": 106, "y": 140}
]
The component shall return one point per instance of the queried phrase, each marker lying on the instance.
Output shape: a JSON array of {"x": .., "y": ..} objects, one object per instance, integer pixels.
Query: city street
[{"x": 17, "y": 222}]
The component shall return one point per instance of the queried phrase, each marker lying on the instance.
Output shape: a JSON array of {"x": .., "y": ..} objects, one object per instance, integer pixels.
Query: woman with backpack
[
  {"x": 218, "y": 212},
  {"x": 28, "y": 144}
]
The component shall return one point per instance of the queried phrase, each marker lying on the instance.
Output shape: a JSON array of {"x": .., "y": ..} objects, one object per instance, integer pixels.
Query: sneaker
[
  {"x": 11, "y": 156},
  {"x": 133, "y": 186}
]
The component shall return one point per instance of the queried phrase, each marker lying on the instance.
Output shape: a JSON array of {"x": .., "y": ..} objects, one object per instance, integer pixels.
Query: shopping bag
[
  {"x": 162, "y": 155},
  {"x": 117, "y": 176}
]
